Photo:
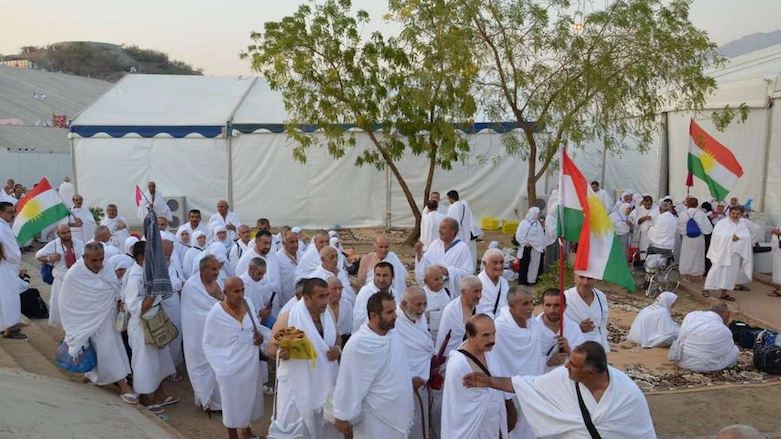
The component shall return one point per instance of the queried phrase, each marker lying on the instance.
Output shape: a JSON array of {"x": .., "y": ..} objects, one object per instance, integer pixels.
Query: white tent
[{"x": 208, "y": 138}]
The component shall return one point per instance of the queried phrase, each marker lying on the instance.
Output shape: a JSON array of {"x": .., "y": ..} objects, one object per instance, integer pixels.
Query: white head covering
[
  {"x": 129, "y": 243},
  {"x": 553, "y": 201},
  {"x": 120, "y": 263},
  {"x": 194, "y": 238},
  {"x": 296, "y": 229},
  {"x": 333, "y": 234},
  {"x": 493, "y": 244},
  {"x": 179, "y": 237},
  {"x": 225, "y": 242},
  {"x": 534, "y": 214},
  {"x": 666, "y": 300}
]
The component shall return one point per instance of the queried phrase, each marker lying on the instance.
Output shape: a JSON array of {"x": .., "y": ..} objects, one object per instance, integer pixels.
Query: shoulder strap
[
  {"x": 447, "y": 291},
  {"x": 251, "y": 317},
  {"x": 452, "y": 244},
  {"x": 476, "y": 361},
  {"x": 498, "y": 295},
  {"x": 592, "y": 430}
]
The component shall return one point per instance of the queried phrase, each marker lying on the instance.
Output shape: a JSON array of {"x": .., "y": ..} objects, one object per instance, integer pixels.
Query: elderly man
[
  {"x": 117, "y": 225},
  {"x": 704, "y": 343},
  {"x": 88, "y": 306},
  {"x": 643, "y": 217},
  {"x": 239, "y": 245},
  {"x": 309, "y": 261},
  {"x": 588, "y": 307},
  {"x": 341, "y": 309},
  {"x": 437, "y": 297},
  {"x": 469, "y": 412},
  {"x": 302, "y": 390},
  {"x": 288, "y": 263},
  {"x": 730, "y": 252},
  {"x": 329, "y": 267},
  {"x": 382, "y": 253},
  {"x": 232, "y": 351},
  {"x": 103, "y": 237},
  {"x": 194, "y": 224},
  {"x": 10, "y": 283},
  {"x": 429, "y": 222},
  {"x": 555, "y": 348},
  {"x": 226, "y": 218},
  {"x": 457, "y": 313},
  {"x": 152, "y": 198},
  {"x": 664, "y": 229},
  {"x": 693, "y": 225},
  {"x": 257, "y": 292},
  {"x": 468, "y": 230},
  {"x": 199, "y": 295},
  {"x": 373, "y": 396},
  {"x": 262, "y": 249},
  {"x": 62, "y": 253},
  {"x": 495, "y": 286},
  {"x": 383, "y": 281},
  {"x": 518, "y": 344},
  {"x": 616, "y": 406},
  {"x": 412, "y": 327},
  {"x": 81, "y": 221},
  {"x": 449, "y": 251}
]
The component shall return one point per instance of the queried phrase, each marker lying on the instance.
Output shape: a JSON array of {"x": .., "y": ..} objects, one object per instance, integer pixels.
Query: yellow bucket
[
  {"x": 510, "y": 226},
  {"x": 490, "y": 223}
]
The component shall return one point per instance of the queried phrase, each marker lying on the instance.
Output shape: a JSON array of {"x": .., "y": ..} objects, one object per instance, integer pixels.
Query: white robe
[
  {"x": 399, "y": 275},
  {"x": 118, "y": 236},
  {"x": 229, "y": 347},
  {"x": 257, "y": 293},
  {"x": 158, "y": 204},
  {"x": 218, "y": 220},
  {"x": 653, "y": 325},
  {"x": 548, "y": 343},
  {"x": 494, "y": 296},
  {"x": 343, "y": 321},
  {"x": 303, "y": 390},
  {"x": 88, "y": 306},
  {"x": 150, "y": 364},
  {"x": 663, "y": 231},
  {"x": 191, "y": 261},
  {"x": 67, "y": 190},
  {"x": 452, "y": 323},
  {"x": 471, "y": 413},
  {"x": 727, "y": 256},
  {"x": 196, "y": 304},
  {"x": 173, "y": 307},
  {"x": 324, "y": 274},
  {"x": 374, "y": 387},
  {"x": 419, "y": 348},
  {"x": 550, "y": 404},
  {"x": 272, "y": 278},
  {"x": 10, "y": 283},
  {"x": 577, "y": 310},
  {"x": 236, "y": 251},
  {"x": 606, "y": 200},
  {"x": 640, "y": 235},
  {"x": 457, "y": 259},
  {"x": 692, "y": 260},
  {"x": 429, "y": 227},
  {"x": 467, "y": 226},
  {"x": 436, "y": 301},
  {"x": 704, "y": 343},
  {"x": 287, "y": 275},
  {"x": 60, "y": 268},
  {"x": 360, "y": 313},
  {"x": 775, "y": 252},
  {"x": 308, "y": 262}
]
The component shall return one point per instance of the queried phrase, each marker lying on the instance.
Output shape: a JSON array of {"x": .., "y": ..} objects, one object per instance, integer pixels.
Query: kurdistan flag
[
  {"x": 712, "y": 162},
  {"x": 37, "y": 210},
  {"x": 583, "y": 219}
]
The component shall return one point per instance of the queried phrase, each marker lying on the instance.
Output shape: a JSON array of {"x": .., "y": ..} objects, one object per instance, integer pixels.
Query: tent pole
[
  {"x": 387, "y": 198},
  {"x": 229, "y": 162},
  {"x": 73, "y": 165},
  {"x": 768, "y": 139}
]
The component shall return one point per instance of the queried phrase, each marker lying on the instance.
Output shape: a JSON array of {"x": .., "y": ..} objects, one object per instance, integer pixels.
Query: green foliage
[
  {"x": 409, "y": 93},
  {"x": 97, "y": 212},
  {"x": 551, "y": 280}
]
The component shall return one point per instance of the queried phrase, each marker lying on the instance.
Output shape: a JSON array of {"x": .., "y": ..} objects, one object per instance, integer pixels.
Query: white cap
[{"x": 296, "y": 229}]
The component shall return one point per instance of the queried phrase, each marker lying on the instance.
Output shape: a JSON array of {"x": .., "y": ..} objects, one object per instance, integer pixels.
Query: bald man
[
  {"x": 329, "y": 267},
  {"x": 226, "y": 218},
  {"x": 81, "y": 220},
  {"x": 381, "y": 253},
  {"x": 62, "y": 254},
  {"x": 240, "y": 245},
  {"x": 103, "y": 236}
]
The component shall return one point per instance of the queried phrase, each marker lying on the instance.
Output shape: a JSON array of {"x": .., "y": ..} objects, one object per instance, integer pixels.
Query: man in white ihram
[
  {"x": 287, "y": 256},
  {"x": 81, "y": 221},
  {"x": 383, "y": 279},
  {"x": 309, "y": 261},
  {"x": 62, "y": 253},
  {"x": 518, "y": 348},
  {"x": 692, "y": 260},
  {"x": 468, "y": 412},
  {"x": 329, "y": 267},
  {"x": 664, "y": 229},
  {"x": 449, "y": 251},
  {"x": 550, "y": 403},
  {"x": 373, "y": 396},
  {"x": 460, "y": 211},
  {"x": 556, "y": 348},
  {"x": 704, "y": 343},
  {"x": 588, "y": 307},
  {"x": 302, "y": 390},
  {"x": 495, "y": 286},
  {"x": 262, "y": 249},
  {"x": 154, "y": 199},
  {"x": 117, "y": 226},
  {"x": 382, "y": 253},
  {"x": 227, "y": 218},
  {"x": 429, "y": 223},
  {"x": 10, "y": 283},
  {"x": 412, "y": 327},
  {"x": 242, "y": 242},
  {"x": 67, "y": 190}
]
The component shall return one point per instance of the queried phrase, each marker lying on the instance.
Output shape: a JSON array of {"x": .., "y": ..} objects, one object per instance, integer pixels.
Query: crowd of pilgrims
[{"x": 391, "y": 360}]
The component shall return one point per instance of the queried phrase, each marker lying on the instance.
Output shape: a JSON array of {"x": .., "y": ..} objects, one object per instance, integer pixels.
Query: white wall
[{"x": 28, "y": 168}]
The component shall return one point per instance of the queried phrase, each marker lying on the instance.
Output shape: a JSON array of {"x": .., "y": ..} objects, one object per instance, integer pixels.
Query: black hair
[
  {"x": 374, "y": 305},
  {"x": 312, "y": 283},
  {"x": 596, "y": 358},
  {"x": 385, "y": 264}
]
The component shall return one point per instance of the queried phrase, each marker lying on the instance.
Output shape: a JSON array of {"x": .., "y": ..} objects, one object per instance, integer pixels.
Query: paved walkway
[{"x": 756, "y": 303}]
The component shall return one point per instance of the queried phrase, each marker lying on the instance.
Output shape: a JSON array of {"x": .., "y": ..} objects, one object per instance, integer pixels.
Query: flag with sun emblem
[
  {"x": 582, "y": 218},
  {"x": 37, "y": 210},
  {"x": 711, "y": 162}
]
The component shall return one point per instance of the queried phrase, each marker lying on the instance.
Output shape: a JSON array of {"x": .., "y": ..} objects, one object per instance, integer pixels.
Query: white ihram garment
[
  {"x": 10, "y": 283},
  {"x": 218, "y": 220},
  {"x": 704, "y": 343},
  {"x": 399, "y": 275},
  {"x": 727, "y": 256},
  {"x": 548, "y": 343},
  {"x": 578, "y": 310},
  {"x": 419, "y": 348},
  {"x": 456, "y": 258},
  {"x": 59, "y": 271},
  {"x": 429, "y": 228},
  {"x": 653, "y": 325},
  {"x": 494, "y": 296},
  {"x": 692, "y": 260},
  {"x": 86, "y": 232}
]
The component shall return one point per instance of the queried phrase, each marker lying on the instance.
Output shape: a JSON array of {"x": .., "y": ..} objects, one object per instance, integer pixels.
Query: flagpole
[{"x": 562, "y": 255}]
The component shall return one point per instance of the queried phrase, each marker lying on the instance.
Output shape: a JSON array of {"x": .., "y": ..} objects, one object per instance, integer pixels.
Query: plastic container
[
  {"x": 490, "y": 223},
  {"x": 510, "y": 226}
]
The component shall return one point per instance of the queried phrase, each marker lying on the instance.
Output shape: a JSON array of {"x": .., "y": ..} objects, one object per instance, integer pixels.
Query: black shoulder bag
[{"x": 592, "y": 430}]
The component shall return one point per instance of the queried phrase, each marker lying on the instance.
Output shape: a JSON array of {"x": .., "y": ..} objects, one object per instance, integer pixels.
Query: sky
[{"x": 210, "y": 34}]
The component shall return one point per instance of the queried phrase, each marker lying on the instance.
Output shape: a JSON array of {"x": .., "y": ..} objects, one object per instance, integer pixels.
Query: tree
[
  {"x": 408, "y": 94},
  {"x": 566, "y": 77}
]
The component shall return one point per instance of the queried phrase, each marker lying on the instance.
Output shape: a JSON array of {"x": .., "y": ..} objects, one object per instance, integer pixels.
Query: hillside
[
  {"x": 103, "y": 61},
  {"x": 750, "y": 43}
]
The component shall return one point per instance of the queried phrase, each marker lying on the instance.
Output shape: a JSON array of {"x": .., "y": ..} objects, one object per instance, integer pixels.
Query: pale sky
[{"x": 211, "y": 33}]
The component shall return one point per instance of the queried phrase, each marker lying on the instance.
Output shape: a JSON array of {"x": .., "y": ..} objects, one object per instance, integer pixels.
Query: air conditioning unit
[{"x": 178, "y": 208}]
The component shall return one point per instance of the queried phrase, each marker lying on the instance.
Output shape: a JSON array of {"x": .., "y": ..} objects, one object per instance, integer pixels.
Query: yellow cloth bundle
[{"x": 297, "y": 344}]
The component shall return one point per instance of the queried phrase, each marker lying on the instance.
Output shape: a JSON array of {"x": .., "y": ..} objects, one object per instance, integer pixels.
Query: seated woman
[{"x": 653, "y": 326}]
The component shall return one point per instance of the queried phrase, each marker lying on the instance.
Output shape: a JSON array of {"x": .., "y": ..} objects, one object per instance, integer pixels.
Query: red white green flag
[
  {"x": 582, "y": 218},
  {"x": 37, "y": 210},
  {"x": 712, "y": 162}
]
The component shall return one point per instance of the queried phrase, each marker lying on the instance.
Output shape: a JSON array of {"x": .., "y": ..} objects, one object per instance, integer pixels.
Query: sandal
[
  {"x": 169, "y": 401},
  {"x": 130, "y": 398},
  {"x": 154, "y": 408},
  {"x": 774, "y": 293},
  {"x": 175, "y": 378},
  {"x": 742, "y": 288},
  {"x": 728, "y": 298},
  {"x": 15, "y": 336}
]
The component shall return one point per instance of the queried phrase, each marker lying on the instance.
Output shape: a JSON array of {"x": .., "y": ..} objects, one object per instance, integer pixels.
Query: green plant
[
  {"x": 551, "y": 280},
  {"x": 97, "y": 212}
]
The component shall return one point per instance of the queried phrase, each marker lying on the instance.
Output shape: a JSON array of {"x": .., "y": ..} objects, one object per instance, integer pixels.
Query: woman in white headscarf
[
  {"x": 193, "y": 254},
  {"x": 220, "y": 236},
  {"x": 654, "y": 326},
  {"x": 182, "y": 244},
  {"x": 623, "y": 225},
  {"x": 531, "y": 239}
]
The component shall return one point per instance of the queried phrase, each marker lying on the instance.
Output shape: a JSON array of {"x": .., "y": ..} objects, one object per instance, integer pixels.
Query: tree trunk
[{"x": 531, "y": 181}]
